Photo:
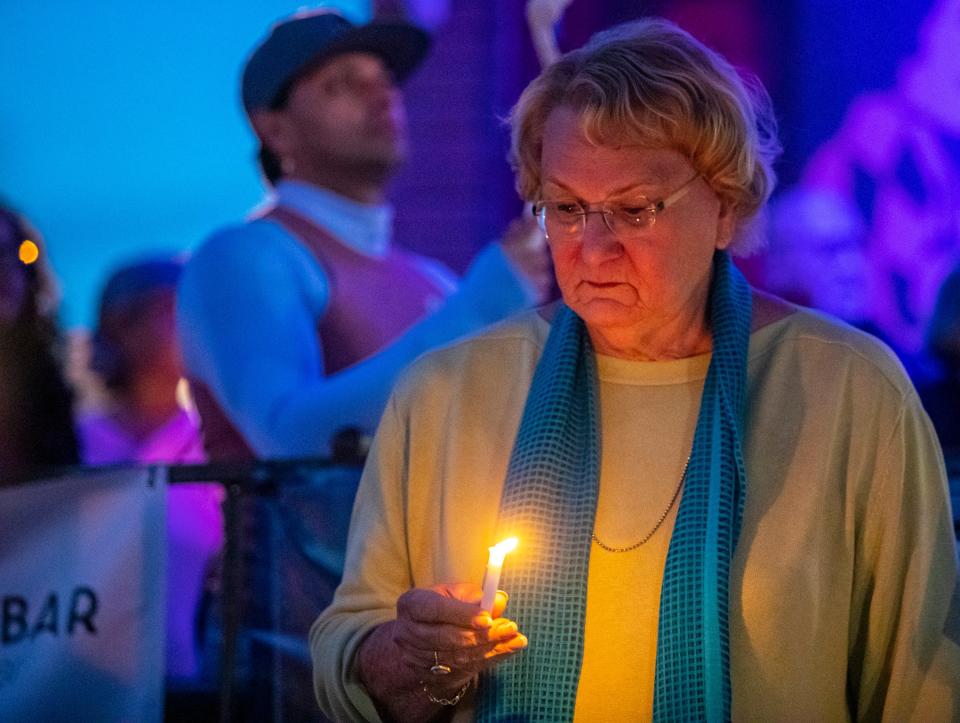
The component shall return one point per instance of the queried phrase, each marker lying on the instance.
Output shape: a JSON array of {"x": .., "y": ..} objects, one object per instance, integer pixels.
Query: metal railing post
[{"x": 231, "y": 596}]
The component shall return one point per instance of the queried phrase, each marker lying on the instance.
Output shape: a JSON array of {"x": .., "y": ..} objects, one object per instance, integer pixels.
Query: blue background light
[{"x": 121, "y": 131}]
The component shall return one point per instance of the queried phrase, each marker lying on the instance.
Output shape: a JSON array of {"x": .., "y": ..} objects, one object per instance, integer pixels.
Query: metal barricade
[{"x": 286, "y": 527}]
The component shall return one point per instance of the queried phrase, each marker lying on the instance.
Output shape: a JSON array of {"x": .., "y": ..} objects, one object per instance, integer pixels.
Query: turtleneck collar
[{"x": 364, "y": 228}]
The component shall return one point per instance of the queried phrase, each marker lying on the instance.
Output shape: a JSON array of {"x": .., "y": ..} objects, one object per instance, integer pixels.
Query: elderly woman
[{"x": 727, "y": 506}]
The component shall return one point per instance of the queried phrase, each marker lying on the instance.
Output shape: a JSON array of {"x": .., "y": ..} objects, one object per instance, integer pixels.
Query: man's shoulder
[
  {"x": 242, "y": 237},
  {"x": 255, "y": 246}
]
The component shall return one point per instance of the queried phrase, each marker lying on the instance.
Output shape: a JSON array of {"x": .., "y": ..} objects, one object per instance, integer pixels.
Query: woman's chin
[{"x": 605, "y": 313}]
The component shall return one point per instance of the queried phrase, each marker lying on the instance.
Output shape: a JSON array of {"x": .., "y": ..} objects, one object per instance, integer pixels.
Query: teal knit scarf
[{"x": 550, "y": 498}]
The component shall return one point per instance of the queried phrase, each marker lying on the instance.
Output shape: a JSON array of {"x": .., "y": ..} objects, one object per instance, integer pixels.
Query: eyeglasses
[{"x": 566, "y": 220}]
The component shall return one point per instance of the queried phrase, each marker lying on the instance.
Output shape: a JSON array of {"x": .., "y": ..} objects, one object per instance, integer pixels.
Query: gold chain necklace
[{"x": 676, "y": 493}]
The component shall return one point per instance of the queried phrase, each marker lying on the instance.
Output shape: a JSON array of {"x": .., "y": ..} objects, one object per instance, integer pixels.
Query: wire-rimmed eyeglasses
[{"x": 565, "y": 220}]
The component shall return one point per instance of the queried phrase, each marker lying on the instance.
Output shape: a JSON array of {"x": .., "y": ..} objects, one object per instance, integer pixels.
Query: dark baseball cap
[{"x": 304, "y": 40}]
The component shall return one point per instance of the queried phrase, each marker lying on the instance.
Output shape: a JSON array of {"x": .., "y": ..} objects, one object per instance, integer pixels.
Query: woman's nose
[{"x": 598, "y": 243}]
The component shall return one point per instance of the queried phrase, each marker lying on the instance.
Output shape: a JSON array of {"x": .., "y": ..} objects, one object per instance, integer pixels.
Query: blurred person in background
[
  {"x": 36, "y": 422},
  {"x": 136, "y": 354},
  {"x": 295, "y": 324},
  {"x": 942, "y": 396},
  {"x": 896, "y": 157},
  {"x": 815, "y": 254},
  {"x": 817, "y": 257}
]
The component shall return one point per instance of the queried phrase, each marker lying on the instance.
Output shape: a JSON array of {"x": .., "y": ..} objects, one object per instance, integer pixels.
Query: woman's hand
[
  {"x": 438, "y": 627},
  {"x": 444, "y": 625}
]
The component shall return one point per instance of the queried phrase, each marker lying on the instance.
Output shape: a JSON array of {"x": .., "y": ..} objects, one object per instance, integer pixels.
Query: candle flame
[{"x": 500, "y": 550}]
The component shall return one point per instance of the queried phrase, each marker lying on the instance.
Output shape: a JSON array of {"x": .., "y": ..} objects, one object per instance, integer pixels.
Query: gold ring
[{"x": 438, "y": 668}]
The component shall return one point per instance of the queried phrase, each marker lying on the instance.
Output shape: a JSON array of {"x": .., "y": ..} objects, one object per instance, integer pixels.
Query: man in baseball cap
[
  {"x": 299, "y": 45},
  {"x": 295, "y": 324}
]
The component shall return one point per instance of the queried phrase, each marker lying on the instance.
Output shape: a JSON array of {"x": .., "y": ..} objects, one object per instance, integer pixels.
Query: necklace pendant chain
[{"x": 629, "y": 548}]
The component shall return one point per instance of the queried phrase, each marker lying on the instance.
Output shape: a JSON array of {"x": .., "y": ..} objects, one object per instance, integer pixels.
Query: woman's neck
[
  {"x": 677, "y": 337},
  {"x": 681, "y": 336}
]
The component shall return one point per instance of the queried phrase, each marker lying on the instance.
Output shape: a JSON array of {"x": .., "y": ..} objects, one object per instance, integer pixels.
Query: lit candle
[{"x": 491, "y": 578}]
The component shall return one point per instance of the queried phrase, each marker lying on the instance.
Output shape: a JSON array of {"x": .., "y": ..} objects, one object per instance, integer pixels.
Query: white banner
[{"x": 82, "y": 598}]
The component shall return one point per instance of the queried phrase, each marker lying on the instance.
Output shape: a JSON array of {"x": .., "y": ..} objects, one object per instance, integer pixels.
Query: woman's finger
[
  {"x": 430, "y": 637},
  {"x": 465, "y": 661},
  {"x": 429, "y": 606}
]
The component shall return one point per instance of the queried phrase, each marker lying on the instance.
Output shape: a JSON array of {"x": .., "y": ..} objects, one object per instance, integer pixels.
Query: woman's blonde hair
[{"x": 650, "y": 83}]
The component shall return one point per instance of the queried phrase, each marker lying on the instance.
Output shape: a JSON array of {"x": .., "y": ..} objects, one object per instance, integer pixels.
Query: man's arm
[{"x": 248, "y": 308}]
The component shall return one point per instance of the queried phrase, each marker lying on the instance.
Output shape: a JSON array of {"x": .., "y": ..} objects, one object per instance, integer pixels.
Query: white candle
[{"x": 491, "y": 578}]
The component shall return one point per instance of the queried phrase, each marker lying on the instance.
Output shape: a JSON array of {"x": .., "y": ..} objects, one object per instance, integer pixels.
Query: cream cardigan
[{"x": 842, "y": 582}]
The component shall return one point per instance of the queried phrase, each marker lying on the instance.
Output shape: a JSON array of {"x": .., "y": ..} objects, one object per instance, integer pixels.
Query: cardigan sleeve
[{"x": 905, "y": 627}]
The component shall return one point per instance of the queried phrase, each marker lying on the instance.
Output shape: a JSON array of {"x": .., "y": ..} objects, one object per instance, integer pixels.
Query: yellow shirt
[
  {"x": 648, "y": 413},
  {"x": 841, "y": 584}
]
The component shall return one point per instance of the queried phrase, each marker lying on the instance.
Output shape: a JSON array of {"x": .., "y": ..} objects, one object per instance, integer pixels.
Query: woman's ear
[{"x": 726, "y": 224}]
